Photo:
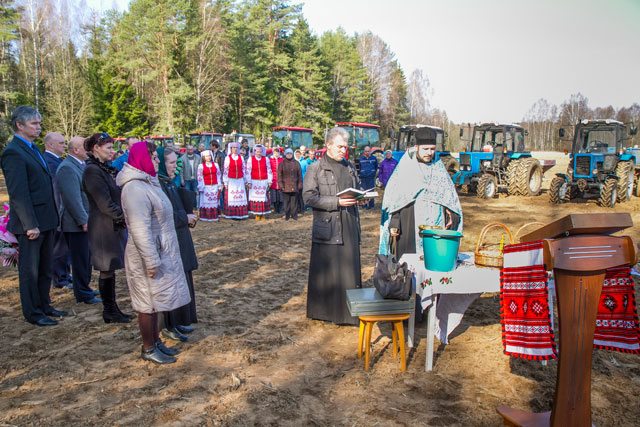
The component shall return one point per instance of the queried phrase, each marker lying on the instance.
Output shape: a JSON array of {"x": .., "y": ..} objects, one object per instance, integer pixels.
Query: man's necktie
[{"x": 34, "y": 147}]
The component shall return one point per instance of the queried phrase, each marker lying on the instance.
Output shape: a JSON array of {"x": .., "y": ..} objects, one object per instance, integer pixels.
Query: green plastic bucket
[{"x": 440, "y": 249}]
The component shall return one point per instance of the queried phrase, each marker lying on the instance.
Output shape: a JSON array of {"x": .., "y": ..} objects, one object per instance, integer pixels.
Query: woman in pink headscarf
[{"x": 155, "y": 275}]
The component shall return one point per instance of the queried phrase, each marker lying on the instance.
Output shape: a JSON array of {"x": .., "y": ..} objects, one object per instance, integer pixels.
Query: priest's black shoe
[
  {"x": 174, "y": 334},
  {"x": 55, "y": 313},
  {"x": 166, "y": 350},
  {"x": 93, "y": 300},
  {"x": 114, "y": 317},
  {"x": 154, "y": 355},
  {"x": 185, "y": 329},
  {"x": 45, "y": 321}
]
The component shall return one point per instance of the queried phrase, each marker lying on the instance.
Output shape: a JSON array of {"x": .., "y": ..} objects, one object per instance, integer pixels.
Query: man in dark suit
[
  {"x": 33, "y": 216},
  {"x": 73, "y": 209},
  {"x": 54, "y": 146}
]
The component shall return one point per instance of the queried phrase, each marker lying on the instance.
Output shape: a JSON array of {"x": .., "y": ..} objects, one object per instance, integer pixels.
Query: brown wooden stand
[{"x": 579, "y": 263}]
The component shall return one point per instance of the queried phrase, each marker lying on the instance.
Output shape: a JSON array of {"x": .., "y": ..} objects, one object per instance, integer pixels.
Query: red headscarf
[{"x": 140, "y": 158}]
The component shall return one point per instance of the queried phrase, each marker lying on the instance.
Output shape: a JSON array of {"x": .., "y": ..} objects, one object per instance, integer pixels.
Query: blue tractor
[
  {"x": 405, "y": 138},
  {"x": 496, "y": 156},
  {"x": 600, "y": 164}
]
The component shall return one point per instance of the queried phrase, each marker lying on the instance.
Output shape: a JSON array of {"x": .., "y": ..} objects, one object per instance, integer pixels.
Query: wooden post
[{"x": 579, "y": 263}]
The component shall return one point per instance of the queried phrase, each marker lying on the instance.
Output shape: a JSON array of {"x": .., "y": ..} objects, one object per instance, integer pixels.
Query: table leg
[
  {"x": 394, "y": 335},
  {"x": 412, "y": 323},
  {"x": 360, "y": 339},
  {"x": 367, "y": 343},
  {"x": 403, "y": 356},
  {"x": 431, "y": 320}
]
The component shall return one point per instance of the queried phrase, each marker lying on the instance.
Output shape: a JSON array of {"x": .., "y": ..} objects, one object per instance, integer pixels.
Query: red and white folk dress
[
  {"x": 209, "y": 186},
  {"x": 235, "y": 196},
  {"x": 259, "y": 171}
]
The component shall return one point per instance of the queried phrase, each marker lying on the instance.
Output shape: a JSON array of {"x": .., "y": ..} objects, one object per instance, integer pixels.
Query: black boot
[
  {"x": 155, "y": 355},
  {"x": 113, "y": 292},
  {"x": 110, "y": 312}
]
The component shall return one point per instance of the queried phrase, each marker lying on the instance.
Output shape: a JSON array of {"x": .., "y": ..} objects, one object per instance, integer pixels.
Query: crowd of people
[
  {"x": 90, "y": 211},
  {"x": 86, "y": 212}
]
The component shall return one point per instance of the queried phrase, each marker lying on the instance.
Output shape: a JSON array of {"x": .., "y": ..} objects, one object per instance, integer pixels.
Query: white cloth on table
[{"x": 457, "y": 289}]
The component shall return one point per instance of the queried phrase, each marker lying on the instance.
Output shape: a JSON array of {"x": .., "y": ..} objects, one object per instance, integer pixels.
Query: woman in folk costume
[
  {"x": 209, "y": 185},
  {"x": 234, "y": 179},
  {"x": 259, "y": 177}
]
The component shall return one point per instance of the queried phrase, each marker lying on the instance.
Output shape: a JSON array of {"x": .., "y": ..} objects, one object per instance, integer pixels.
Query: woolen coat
[
  {"x": 181, "y": 222},
  {"x": 74, "y": 205},
  {"x": 106, "y": 227},
  {"x": 320, "y": 189},
  {"x": 153, "y": 244},
  {"x": 290, "y": 176}
]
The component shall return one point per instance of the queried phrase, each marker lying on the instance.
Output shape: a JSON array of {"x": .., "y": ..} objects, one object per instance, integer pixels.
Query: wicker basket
[
  {"x": 539, "y": 224},
  {"x": 485, "y": 257}
]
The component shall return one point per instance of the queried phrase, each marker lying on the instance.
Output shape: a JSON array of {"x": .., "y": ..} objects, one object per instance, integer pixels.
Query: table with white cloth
[{"x": 450, "y": 293}]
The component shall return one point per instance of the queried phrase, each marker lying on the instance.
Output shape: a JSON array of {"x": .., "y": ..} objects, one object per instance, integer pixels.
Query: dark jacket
[
  {"x": 53, "y": 162},
  {"x": 368, "y": 167},
  {"x": 74, "y": 205},
  {"x": 30, "y": 189},
  {"x": 181, "y": 223},
  {"x": 289, "y": 176},
  {"x": 106, "y": 226},
  {"x": 319, "y": 192}
]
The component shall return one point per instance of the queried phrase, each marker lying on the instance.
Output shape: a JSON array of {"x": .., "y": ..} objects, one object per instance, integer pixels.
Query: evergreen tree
[
  {"x": 350, "y": 91},
  {"x": 9, "y": 91},
  {"x": 304, "y": 101},
  {"x": 259, "y": 40}
]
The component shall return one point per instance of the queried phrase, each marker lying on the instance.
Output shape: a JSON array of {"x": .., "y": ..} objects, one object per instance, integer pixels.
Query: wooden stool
[{"x": 366, "y": 324}]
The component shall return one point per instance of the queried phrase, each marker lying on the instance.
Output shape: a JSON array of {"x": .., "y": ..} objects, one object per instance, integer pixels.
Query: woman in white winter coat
[{"x": 152, "y": 258}]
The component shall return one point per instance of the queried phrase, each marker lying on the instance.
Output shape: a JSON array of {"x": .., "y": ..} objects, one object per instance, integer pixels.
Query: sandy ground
[{"x": 255, "y": 359}]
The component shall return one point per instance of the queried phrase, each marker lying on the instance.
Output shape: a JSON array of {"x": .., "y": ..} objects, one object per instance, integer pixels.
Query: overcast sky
[{"x": 491, "y": 60}]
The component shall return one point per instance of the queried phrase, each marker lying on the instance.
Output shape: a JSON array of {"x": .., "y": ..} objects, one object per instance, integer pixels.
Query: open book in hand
[{"x": 358, "y": 194}]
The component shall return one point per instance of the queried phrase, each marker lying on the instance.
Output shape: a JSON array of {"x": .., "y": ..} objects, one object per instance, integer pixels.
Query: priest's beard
[{"x": 425, "y": 159}]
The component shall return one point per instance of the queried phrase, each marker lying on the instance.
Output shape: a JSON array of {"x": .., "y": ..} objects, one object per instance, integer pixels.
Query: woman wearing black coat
[
  {"x": 177, "y": 322},
  {"x": 106, "y": 226}
]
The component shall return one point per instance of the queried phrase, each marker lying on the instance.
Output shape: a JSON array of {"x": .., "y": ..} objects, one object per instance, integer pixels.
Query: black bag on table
[{"x": 392, "y": 280}]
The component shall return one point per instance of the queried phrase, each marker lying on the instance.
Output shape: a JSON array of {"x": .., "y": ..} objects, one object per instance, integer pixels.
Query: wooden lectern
[{"x": 579, "y": 261}]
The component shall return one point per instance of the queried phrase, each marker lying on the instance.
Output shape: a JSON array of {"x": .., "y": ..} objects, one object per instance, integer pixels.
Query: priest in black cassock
[
  {"x": 419, "y": 192},
  {"x": 335, "y": 250}
]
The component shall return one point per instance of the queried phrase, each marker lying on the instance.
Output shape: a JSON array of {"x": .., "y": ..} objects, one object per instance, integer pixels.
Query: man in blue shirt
[
  {"x": 368, "y": 170},
  {"x": 33, "y": 215},
  {"x": 120, "y": 161}
]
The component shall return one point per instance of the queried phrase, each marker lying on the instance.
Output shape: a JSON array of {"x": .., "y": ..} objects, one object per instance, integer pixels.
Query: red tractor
[
  {"x": 160, "y": 141},
  {"x": 292, "y": 137}
]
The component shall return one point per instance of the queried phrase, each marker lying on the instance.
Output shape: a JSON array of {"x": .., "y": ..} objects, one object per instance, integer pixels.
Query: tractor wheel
[
  {"x": 626, "y": 177},
  {"x": 487, "y": 186},
  {"x": 558, "y": 191},
  {"x": 451, "y": 165},
  {"x": 529, "y": 177},
  {"x": 469, "y": 189},
  {"x": 512, "y": 178},
  {"x": 609, "y": 193},
  {"x": 636, "y": 190}
]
